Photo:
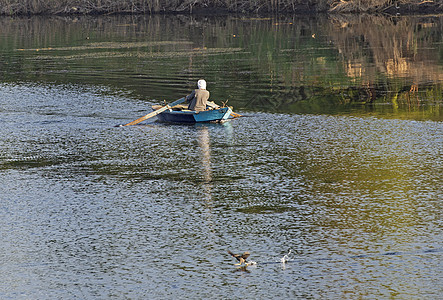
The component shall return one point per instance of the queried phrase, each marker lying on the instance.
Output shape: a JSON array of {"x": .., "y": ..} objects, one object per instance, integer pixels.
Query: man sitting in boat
[{"x": 199, "y": 97}]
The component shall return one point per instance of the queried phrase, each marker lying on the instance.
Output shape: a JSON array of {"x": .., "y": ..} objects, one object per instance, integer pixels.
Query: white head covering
[{"x": 201, "y": 84}]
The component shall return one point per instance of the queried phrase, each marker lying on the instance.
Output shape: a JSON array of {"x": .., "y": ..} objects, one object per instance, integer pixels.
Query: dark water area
[
  {"x": 339, "y": 158},
  {"x": 366, "y": 65}
]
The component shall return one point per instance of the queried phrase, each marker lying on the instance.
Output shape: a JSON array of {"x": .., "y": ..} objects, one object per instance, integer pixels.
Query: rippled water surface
[
  {"x": 92, "y": 211},
  {"x": 89, "y": 210}
]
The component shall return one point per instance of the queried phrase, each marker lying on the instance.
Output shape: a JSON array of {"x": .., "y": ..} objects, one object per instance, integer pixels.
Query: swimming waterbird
[{"x": 240, "y": 257}]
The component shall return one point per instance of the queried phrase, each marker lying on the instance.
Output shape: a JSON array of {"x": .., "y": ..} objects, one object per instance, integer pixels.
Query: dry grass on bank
[
  {"x": 30, "y": 7},
  {"x": 384, "y": 5}
]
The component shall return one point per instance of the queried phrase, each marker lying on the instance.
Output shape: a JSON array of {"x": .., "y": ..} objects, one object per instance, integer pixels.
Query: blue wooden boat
[{"x": 179, "y": 114}]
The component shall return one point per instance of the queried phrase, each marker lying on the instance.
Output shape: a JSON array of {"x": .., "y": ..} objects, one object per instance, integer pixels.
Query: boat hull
[{"x": 186, "y": 116}]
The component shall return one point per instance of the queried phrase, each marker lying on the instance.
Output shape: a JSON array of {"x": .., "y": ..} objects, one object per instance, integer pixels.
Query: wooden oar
[
  {"x": 236, "y": 115},
  {"x": 213, "y": 105},
  {"x": 156, "y": 112}
]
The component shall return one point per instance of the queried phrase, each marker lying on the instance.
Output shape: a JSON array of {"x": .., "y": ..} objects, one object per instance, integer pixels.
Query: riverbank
[{"x": 98, "y": 7}]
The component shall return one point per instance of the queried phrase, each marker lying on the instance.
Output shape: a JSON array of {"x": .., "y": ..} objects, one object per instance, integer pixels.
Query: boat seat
[{"x": 179, "y": 107}]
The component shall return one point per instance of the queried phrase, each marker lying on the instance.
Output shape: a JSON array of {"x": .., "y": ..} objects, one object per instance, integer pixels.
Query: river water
[{"x": 338, "y": 158}]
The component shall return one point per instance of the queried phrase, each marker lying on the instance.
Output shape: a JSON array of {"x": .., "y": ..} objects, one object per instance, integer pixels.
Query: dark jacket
[{"x": 197, "y": 100}]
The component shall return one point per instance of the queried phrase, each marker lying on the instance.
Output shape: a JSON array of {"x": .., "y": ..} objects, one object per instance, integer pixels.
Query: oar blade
[{"x": 236, "y": 115}]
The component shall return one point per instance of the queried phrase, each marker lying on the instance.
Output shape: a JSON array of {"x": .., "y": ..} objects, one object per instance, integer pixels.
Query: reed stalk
[{"x": 30, "y": 7}]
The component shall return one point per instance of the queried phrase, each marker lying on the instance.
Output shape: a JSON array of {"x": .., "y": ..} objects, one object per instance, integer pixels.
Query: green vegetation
[{"x": 68, "y": 7}]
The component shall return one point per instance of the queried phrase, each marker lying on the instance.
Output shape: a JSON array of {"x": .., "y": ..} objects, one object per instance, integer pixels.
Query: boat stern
[{"x": 216, "y": 115}]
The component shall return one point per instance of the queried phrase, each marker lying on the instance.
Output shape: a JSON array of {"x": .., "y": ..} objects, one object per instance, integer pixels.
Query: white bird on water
[{"x": 285, "y": 258}]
